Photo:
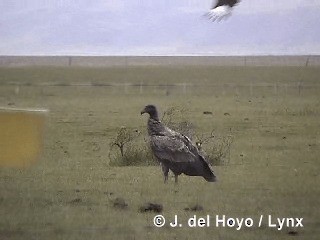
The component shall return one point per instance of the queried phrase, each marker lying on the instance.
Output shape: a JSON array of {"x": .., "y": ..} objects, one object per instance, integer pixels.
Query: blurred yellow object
[{"x": 21, "y": 136}]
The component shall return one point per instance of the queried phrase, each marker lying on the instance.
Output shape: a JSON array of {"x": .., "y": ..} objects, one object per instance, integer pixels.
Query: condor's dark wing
[
  {"x": 229, "y": 3},
  {"x": 178, "y": 151}
]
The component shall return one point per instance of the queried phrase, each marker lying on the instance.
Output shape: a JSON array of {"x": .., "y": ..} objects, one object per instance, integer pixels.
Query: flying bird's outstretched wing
[
  {"x": 219, "y": 3},
  {"x": 221, "y": 9}
]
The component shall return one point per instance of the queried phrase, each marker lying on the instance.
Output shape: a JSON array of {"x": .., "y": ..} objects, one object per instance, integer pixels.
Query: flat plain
[{"x": 273, "y": 168}]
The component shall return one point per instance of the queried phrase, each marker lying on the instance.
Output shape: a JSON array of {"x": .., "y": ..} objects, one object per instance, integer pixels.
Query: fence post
[
  {"x": 251, "y": 89},
  {"x": 307, "y": 62},
  {"x": 141, "y": 88},
  {"x": 299, "y": 88},
  {"x": 113, "y": 87},
  {"x": 236, "y": 89},
  {"x": 167, "y": 89},
  {"x": 17, "y": 90},
  {"x": 184, "y": 88},
  {"x": 286, "y": 88}
]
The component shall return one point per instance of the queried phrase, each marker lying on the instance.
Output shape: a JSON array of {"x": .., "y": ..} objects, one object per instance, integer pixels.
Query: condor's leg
[
  {"x": 165, "y": 170},
  {"x": 176, "y": 178}
]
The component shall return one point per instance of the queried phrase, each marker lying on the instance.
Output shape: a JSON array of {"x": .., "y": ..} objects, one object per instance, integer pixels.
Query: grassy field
[{"x": 272, "y": 113}]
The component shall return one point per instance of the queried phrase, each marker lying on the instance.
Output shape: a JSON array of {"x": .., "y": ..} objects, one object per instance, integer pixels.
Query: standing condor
[{"x": 175, "y": 151}]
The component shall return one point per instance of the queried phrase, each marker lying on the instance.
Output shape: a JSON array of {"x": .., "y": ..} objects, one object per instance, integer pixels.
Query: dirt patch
[{"x": 151, "y": 207}]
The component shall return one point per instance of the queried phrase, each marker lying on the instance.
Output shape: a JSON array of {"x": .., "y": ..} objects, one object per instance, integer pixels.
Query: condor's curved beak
[{"x": 143, "y": 111}]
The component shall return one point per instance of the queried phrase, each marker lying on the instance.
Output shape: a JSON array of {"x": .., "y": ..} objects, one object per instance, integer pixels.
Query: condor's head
[{"x": 152, "y": 111}]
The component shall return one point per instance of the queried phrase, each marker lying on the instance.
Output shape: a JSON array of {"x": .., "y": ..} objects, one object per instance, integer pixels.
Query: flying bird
[
  {"x": 175, "y": 151},
  {"x": 221, "y": 9}
]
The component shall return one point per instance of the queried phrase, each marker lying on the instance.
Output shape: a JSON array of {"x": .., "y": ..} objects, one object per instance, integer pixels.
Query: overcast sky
[{"x": 163, "y": 27}]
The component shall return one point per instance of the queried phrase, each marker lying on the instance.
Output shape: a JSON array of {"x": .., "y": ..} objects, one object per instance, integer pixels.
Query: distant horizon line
[{"x": 163, "y": 55}]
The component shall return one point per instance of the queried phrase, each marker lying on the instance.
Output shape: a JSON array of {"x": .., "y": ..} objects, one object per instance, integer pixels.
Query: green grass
[{"x": 273, "y": 168}]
